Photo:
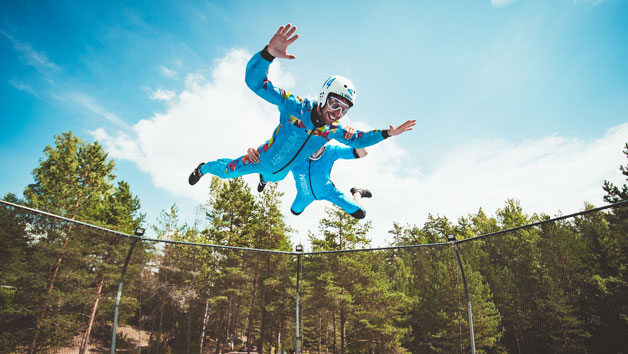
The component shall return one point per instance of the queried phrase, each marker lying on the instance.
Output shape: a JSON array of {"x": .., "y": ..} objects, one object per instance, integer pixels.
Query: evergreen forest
[{"x": 556, "y": 287}]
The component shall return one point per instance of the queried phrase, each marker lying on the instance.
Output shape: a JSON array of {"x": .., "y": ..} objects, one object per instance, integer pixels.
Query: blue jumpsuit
[
  {"x": 294, "y": 139},
  {"x": 313, "y": 181}
]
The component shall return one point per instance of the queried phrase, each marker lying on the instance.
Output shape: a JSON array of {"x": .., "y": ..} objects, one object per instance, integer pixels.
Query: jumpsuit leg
[
  {"x": 300, "y": 203},
  {"x": 339, "y": 199},
  {"x": 228, "y": 168}
]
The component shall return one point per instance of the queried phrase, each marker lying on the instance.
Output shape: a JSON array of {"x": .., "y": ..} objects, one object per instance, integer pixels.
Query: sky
[{"x": 513, "y": 99}]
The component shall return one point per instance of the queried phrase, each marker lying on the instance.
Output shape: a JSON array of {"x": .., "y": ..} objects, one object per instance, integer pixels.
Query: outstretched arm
[
  {"x": 278, "y": 45},
  {"x": 364, "y": 139},
  {"x": 257, "y": 68}
]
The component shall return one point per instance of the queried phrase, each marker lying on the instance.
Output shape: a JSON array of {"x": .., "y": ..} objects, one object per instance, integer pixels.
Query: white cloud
[
  {"x": 169, "y": 73},
  {"x": 547, "y": 174},
  {"x": 91, "y": 105},
  {"x": 212, "y": 118},
  {"x": 121, "y": 145},
  {"x": 23, "y": 87},
  {"x": 163, "y": 95},
  {"x": 502, "y": 3},
  {"x": 32, "y": 57},
  {"x": 220, "y": 117}
]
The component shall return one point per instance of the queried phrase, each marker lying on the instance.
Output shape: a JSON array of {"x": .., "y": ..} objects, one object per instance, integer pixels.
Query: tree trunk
[
  {"x": 221, "y": 335},
  {"x": 229, "y": 317},
  {"x": 151, "y": 339},
  {"x": 205, "y": 318},
  {"x": 249, "y": 327},
  {"x": 343, "y": 329},
  {"x": 318, "y": 315},
  {"x": 335, "y": 336},
  {"x": 264, "y": 319},
  {"x": 189, "y": 333},
  {"x": 92, "y": 315},
  {"x": 327, "y": 333},
  {"x": 161, "y": 322},
  {"x": 262, "y": 333},
  {"x": 278, "y": 342},
  {"x": 236, "y": 320}
]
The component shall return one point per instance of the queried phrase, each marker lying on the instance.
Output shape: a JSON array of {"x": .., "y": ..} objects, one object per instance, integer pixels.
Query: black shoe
[
  {"x": 365, "y": 193},
  {"x": 196, "y": 175},
  {"x": 261, "y": 184}
]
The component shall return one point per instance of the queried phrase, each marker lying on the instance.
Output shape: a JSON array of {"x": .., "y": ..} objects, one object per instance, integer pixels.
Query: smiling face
[{"x": 335, "y": 108}]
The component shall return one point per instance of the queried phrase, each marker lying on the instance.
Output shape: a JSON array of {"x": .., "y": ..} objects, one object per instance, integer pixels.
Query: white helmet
[{"x": 338, "y": 85}]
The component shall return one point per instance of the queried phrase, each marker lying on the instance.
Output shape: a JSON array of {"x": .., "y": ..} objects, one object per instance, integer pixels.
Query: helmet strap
[{"x": 317, "y": 119}]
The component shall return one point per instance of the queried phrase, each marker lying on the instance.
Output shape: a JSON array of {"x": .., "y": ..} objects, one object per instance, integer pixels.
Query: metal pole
[
  {"x": 298, "y": 275},
  {"x": 466, "y": 290},
  {"x": 115, "y": 316}
]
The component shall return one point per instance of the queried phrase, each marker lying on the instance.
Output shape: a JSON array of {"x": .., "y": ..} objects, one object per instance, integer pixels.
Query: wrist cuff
[{"x": 266, "y": 55}]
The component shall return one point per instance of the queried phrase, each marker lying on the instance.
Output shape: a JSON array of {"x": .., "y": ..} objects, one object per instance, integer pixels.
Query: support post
[
  {"x": 452, "y": 240},
  {"x": 115, "y": 315},
  {"x": 298, "y": 248},
  {"x": 298, "y": 276}
]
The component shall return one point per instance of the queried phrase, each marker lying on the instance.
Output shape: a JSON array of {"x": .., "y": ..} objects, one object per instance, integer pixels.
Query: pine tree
[
  {"x": 431, "y": 280},
  {"x": 613, "y": 193},
  {"x": 355, "y": 287},
  {"x": 230, "y": 213},
  {"x": 71, "y": 181},
  {"x": 270, "y": 289},
  {"x": 119, "y": 210},
  {"x": 175, "y": 288},
  {"x": 16, "y": 255}
]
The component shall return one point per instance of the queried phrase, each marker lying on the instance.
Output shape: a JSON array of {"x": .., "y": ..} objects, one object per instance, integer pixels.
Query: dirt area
[
  {"x": 129, "y": 340},
  {"x": 128, "y": 337}
]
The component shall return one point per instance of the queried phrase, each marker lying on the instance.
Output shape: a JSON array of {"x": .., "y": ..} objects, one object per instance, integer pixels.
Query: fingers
[
  {"x": 289, "y": 30},
  {"x": 253, "y": 155},
  {"x": 407, "y": 126},
  {"x": 291, "y": 40},
  {"x": 349, "y": 131},
  {"x": 279, "y": 31},
  {"x": 410, "y": 123},
  {"x": 286, "y": 31}
]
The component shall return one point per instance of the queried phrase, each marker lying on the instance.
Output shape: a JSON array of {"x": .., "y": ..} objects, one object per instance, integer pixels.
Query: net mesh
[{"x": 557, "y": 286}]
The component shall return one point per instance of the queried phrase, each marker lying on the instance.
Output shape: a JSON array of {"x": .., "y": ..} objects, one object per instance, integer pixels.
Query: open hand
[
  {"x": 278, "y": 45},
  {"x": 407, "y": 126}
]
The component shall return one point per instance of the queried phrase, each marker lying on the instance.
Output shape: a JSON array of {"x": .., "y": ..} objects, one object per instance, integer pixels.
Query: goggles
[{"x": 335, "y": 104}]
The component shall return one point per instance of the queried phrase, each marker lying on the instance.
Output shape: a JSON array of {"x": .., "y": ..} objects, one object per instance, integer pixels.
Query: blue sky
[{"x": 522, "y": 99}]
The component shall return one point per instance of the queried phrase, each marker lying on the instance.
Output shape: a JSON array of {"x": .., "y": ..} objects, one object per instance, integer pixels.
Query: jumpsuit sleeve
[
  {"x": 360, "y": 139},
  {"x": 256, "y": 78},
  {"x": 345, "y": 153}
]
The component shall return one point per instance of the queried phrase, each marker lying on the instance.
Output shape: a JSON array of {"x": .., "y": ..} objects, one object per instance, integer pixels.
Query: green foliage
[
  {"x": 614, "y": 193},
  {"x": 63, "y": 270},
  {"x": 352, "y": 289},
  {"x": 241, "y": 292},
  {"x": 559, "y": 287}
]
